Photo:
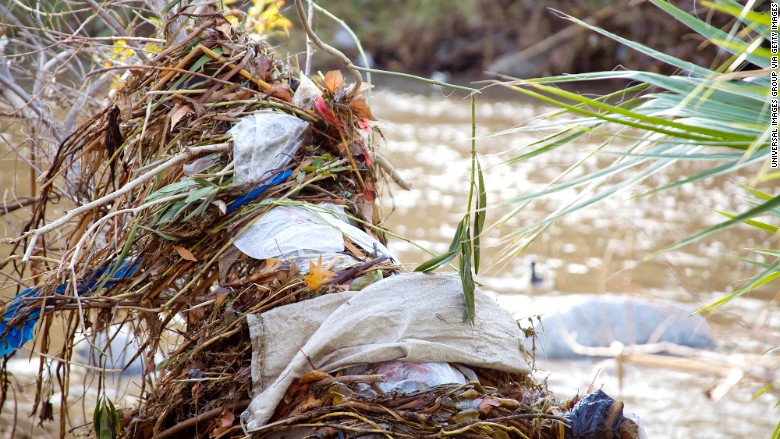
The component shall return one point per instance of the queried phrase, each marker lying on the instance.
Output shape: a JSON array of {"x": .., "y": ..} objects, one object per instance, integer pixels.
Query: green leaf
[
  {"x": 479, "y": 216},
  {"x": 757, "y": 224},
  {"x": 467, "y": 281},
  {"x": 769, "y": 205},
  {"x": 436, "y": 262}
]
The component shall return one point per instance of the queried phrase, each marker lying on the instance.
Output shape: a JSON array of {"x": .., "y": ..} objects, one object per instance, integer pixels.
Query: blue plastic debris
[
  {"x": 254, "y": 193},
  {"x": 14, "y": 337},
  {"x": 595, "y": 416}
]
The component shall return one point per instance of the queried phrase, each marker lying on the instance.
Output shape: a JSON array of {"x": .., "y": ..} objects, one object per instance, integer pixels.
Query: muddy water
[{"x": 600, "y": 250}]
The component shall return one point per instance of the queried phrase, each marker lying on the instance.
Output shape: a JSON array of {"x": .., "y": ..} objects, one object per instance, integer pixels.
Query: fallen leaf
[
  {"x": 184, "y": 253},
  {"x": 333, "y": 81},
  {"x": 361, "y": 109},
  {"x": 317, "y": 276},
  {"x": 487, "y": 403},
  {"x": 353, "y": 249},
  {"x": 179, "y": 111},
  {"x": 313, "y": 376},
  {"x": 220, "y": 299},
  {"x": 281, "y": 91}
]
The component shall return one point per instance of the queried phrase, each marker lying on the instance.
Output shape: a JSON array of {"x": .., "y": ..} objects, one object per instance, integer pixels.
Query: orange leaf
[
  {"x": 360, "y": 109},
  {"x": 333, "y": 81},
  {"x": 317, "y": 275},
  {"x": 184, "y": 253},
  {"x": 313, "y": 376}
]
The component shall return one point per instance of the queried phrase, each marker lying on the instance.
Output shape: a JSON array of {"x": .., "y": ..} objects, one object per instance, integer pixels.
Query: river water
[{"x": 599, "y": 250}]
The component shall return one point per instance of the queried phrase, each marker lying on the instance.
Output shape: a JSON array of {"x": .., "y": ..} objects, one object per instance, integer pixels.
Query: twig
[
  {"x": 331, "y": 50},
  {"x": 179, "y": 428},
  {"x": 344, "y": 275},
  {"x": 391, "y": 171},
  {"x": 175, "y": 160}
]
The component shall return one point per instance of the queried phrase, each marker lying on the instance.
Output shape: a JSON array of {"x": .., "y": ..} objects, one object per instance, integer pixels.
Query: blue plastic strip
[
  {"x": 15, "y": 337},
  {"x": 254, "y": 193}
]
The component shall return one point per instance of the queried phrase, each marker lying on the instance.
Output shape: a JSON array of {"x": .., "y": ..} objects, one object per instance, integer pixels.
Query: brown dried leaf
[
  {"x": 179, "y": 111},
  {"x": 487, "y": 403},
  {"x": 281, "y": 91},
  {"x": 184, "y": 253},
  {"x": 313, "y": 376},
  {"x": 360, "y": 109},
  {"x": 333, "y": 81}
]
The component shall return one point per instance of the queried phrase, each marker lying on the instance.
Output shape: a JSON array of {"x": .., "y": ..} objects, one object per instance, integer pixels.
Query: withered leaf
[
  {"x": 184, "y": 253},
  {"x": 313, "y": 376},
  {"x": 360, "y": 109},
  {"x": 281, "y": 91},
  {"x": 333, "y": 81},
  {"x": 179, "y": 111}
]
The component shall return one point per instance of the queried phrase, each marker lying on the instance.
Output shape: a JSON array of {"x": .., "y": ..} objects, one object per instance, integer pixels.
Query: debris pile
[{"x": 220, "y": 183}]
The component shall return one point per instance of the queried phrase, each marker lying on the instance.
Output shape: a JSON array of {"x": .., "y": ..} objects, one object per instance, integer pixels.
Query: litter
[
  {"x": 264, "y": 142},
  {"x": 388, "y": 320},
  {"x": 303, "y": 234}
]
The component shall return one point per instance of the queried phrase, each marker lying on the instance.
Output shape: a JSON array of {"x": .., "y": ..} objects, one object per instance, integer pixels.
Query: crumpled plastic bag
[{"x": 264, "y": 142}]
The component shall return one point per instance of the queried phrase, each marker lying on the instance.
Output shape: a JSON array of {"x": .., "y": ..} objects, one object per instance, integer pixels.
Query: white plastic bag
[
  {"x": 304, "y": 234},
  {"x": 264, "y": 142}
]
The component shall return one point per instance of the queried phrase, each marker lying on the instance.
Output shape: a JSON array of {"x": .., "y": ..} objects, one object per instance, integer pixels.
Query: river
[{"x": 599, "y": 250}]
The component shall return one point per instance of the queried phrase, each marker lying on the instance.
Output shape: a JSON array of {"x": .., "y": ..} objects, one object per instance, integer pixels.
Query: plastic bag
[
  {"x": 410, "y": 376},
  {"x": 264, "y": 142},
  {"x": 593, "y": 416},
  {"x": 303, "y": 235}
]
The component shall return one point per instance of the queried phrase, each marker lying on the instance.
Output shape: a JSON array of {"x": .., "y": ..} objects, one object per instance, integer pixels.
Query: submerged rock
[{"x": 573, "y": 322}]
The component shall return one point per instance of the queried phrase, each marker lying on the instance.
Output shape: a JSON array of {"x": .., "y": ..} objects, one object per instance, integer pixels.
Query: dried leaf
[
  {"x": 313, "y": 376},
  {"x": 184, "y": 253},
  {"x": 179, "y": 111},
  {"x": 353, "y": 249},
  {"x": 220, "y": 299},
  {"x": 224, "y": 28},
  {"x": 487, "y": 403},
  {"x": 317, "y": 276},
  {"x": 360, "y": 109},
  {"x": 227, "y": 419},
  {"x": 281, "y": 91},
  {"x": 333, "y": 81}
]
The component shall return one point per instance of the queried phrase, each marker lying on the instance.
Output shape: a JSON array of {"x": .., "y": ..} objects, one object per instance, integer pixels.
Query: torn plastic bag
[
  {"x": 264, "y": 142},
  {"x": 409, "y": 317},
  {"x": 303, "y": 234},
  {"x": 595, "y": 416}
]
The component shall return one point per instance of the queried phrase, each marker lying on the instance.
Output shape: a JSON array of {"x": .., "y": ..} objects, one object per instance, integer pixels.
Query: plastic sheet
[{"x": 264, "y": 142}]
